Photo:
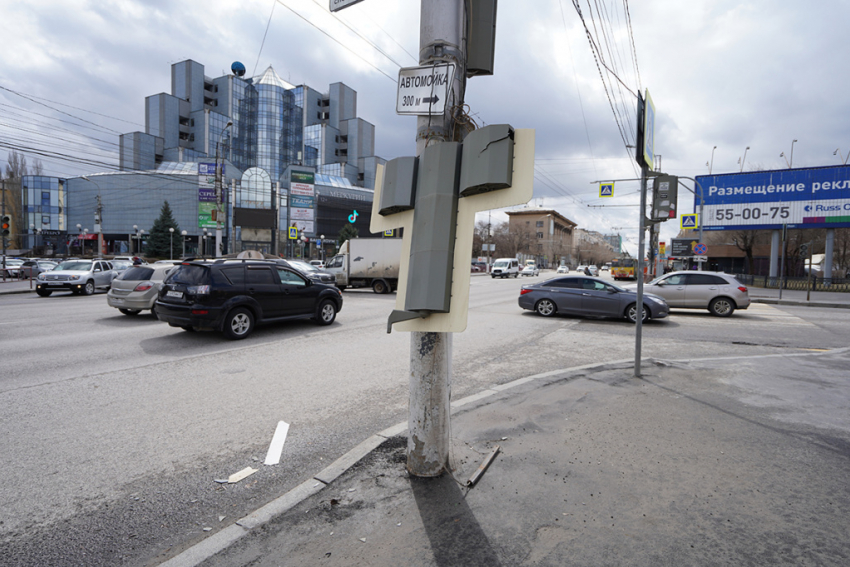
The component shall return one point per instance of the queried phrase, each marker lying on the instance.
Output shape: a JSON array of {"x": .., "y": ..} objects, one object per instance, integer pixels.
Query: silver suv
[
  {"x": 77, "y": 276},
  {"x": 720, "y": 293}
]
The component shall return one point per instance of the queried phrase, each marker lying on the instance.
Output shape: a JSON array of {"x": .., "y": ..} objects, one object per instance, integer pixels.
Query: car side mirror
[
  {"x": 97, "y": 270},
  {"x": 662, "y": 282}
]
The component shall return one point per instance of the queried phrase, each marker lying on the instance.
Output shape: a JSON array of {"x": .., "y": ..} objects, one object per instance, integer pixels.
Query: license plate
[
  {"x": 174, "y": 293},
  {"x": 117, "y": 301}
]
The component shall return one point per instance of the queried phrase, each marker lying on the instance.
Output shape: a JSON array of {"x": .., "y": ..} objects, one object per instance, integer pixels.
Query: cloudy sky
[{"x": 722, "y": 73}]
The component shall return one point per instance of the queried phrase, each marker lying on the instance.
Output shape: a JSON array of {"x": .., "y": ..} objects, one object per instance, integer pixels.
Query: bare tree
[
  {"x": 17, "y": 165},
  {"x": 37, "y": 168}
]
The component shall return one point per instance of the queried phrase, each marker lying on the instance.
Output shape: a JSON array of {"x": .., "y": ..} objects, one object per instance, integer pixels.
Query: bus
[{"x": 623, "y": 268}]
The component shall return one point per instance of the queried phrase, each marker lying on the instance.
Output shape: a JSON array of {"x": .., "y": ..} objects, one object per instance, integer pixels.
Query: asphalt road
[{"x": 114, "y": 427}]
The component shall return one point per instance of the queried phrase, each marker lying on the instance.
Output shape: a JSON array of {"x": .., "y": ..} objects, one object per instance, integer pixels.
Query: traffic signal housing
[{"x": 6, "y": 225}]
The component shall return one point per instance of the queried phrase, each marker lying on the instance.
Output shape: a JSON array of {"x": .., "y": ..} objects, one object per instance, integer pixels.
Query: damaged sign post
[{"x": 434, "y": 198}]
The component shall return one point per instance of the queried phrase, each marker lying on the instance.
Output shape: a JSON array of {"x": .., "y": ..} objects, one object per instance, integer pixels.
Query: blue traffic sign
[
  {"x": 689, "y": 221},
  {"x": 606, "y": 189},
  {"x": 293, "y": 233}
]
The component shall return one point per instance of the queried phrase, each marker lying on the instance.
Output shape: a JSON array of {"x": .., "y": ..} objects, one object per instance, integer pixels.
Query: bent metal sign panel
[{"x": 816, "y": 197}]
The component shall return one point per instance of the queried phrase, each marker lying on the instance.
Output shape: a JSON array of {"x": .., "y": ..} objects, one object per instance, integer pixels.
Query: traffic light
[
  {"x": 804, "y": 250},
  {"x": 7, "y": 225}
]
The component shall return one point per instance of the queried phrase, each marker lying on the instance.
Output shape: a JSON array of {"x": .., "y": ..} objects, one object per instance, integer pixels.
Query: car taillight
[
  {"x": 199, "y": 312},
  {"x": 523, "y": 291},
  {"x": 743, "y": 289},
  {"x": 199, "y": 289},
  {"x": 144, "y": 286}
]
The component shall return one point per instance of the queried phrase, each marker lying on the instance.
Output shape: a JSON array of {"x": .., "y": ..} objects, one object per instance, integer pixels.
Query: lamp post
[
  {"x": 791, "y": 165},
  {"x": 840, "y": 155},
  {"x": 183, "y": 234},
  {"x": 744, "y": 159},
  {"x": 85, "y": 236},
  {"x": 711, "y": 164},
  {"x": 32, "y": 229},
  {"x": 303, "y": 240},
  {"x": 80, "y": 237},
  {"x": 204, "y": 248},
  {"x": 98, "y": 215},
  {"x": 323, "y": 248},
  {"x": 218, "y": 207},
  {"x": 170, "y": 242},
  {"x": 141, "y": 233}
]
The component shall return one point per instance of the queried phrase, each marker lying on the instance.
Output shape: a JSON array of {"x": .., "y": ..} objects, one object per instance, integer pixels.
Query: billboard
[{"x": 817, "y": 197}]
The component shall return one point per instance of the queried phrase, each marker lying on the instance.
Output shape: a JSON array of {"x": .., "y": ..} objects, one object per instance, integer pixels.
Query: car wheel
[
  {"x": 130, "y": 311},
  {"x": 546, "y": 308},
  {"x": 494, "y": 277},
  {"x": 721, "y": 306},
  {"x": 326, "y": 313},
  {"x": 631, "y": 313},
  {"x": 379, "y": 287},
  {"x": 88, "y": 289},
  {"x": 43, "y": 292},
  {"x": 238, "y": 324}
]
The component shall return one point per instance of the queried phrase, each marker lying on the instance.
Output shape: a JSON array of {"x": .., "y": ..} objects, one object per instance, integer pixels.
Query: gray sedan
[
  {"x": 137, "y": 288},
  {"x": 587, "y": 296}
]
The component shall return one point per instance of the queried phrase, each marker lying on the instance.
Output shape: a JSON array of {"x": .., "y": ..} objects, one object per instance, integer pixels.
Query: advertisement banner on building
[
  {"x": 304, "y": 227},
  {"x": 302, "y": 183},
  {"x": 302, "y": 214},
  {"x": 205, "y": 210},
  {"x": 206, "y": 182},
  {"x": 302, "y": 202},
  {"x": 817, "y": 197}
]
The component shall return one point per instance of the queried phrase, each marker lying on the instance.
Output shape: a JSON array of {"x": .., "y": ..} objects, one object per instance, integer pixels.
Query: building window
[
  {"x": 540, "y": 223},
  {"x": 539, "y": 235},
  {"x": 45, "y": 220}
]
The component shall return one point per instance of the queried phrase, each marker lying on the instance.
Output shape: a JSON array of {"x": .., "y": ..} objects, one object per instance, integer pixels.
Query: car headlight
[{"x": 74, "y": 278}]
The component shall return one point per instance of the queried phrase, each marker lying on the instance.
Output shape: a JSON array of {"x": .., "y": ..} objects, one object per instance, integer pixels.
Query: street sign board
[
  {"x": 815, "y": 197},
  {"x": 336, "y": 5},
  {"x": 683, "y": 247},
  {"x": 700, "y": 249},
  {"x": 606, "y": 189},
  {"x": 689, "y": 221},
  {"x": 649, "y": 131},
  {"x": 293, "y": 233},
  {"x": 424, "y": 90},
  {"x": 700, "y": 259}
]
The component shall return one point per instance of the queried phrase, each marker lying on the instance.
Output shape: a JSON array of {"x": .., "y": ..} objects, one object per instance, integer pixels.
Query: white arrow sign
[{"x": 424, "y": 90}]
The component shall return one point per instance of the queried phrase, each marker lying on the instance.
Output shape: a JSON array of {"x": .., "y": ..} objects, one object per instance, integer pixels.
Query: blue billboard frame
[{"x": 817, "y": 197}]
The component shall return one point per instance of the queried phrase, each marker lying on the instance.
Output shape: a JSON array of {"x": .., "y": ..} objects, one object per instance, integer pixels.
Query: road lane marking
[{"x": 276, "y": 446}]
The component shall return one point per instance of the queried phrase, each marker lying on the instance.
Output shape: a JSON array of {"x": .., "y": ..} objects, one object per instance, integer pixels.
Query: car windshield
[
  {"x": 190, "y": 275},
  {"x": 136, "y": 273},
  {"x": 77, "y": 265},
  {"x": 500, "y": 264}
]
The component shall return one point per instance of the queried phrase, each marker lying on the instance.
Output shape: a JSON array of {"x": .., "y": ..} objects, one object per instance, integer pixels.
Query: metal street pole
[
  {"x": 639, "y": 274},
  {"x": 440, "y": 33},
  {"x": 171, "y": 243},
  {"x": 218, "y": 208},
  {"x": 183, "y": 238}
]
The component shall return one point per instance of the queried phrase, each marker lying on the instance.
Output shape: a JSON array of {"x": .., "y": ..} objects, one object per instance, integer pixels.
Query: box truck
[{"x": 367, "y": 262}]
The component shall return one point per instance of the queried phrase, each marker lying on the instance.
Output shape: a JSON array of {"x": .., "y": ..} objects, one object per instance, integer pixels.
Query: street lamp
[
  {"x": 80, "y": 237},
  {"x": 204, "y": 249},
  {"x": 218, "y": 207},
  {"x": 303, "y": 240},
  {"x": 136, "y": 233},
  {"x": 183, "y": 233},
  {"x": 792, "y": 154},
  {"x": 782, "y": 155},
  {"x": 838, "y": 153},
  {"x": 85, "y": 234},
  {"x": 323, "y": 248},
  {"x": 32, "y": 229},
  {"x": 711, "y": 164}
]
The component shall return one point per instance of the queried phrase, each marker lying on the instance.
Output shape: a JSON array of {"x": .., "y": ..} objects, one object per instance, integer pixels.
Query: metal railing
[{"x": 801, "y": 283}]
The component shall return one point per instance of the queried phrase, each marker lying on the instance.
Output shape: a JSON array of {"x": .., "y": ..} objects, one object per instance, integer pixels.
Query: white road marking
[{"x": 276, "y": 446}]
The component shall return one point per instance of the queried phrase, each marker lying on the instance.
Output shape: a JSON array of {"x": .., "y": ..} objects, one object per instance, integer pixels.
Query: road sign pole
[
  {"x": 639, "y": 274},
  {"x": 429, "y": 428}
]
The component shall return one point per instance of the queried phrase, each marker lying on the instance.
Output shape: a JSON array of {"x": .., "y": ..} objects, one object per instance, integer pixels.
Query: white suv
[
  {"x": 720, "y": 293},
  {"x": 78, "y": 276},
  {"x": 505, "y": 268}
]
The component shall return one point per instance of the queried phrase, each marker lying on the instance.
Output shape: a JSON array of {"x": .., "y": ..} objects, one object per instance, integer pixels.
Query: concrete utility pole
[
  {"x": 639, "y": 271},
  {"x": 441, "y": 30}
]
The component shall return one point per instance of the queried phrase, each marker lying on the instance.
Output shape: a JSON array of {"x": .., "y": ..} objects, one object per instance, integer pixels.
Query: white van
[{"x": 505, "y": 268}]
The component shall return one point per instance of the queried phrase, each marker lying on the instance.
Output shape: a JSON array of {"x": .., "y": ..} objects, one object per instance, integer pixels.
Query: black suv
[{"x": 231, "y": 296}]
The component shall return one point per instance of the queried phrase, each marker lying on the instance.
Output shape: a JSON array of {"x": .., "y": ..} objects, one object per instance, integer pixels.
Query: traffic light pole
[{"x": 429, "y": 426}]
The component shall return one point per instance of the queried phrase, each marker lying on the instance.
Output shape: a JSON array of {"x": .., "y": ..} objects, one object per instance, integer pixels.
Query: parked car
[
  {"x": 530, "y": 270},
  {"x": 479, "y": 266},
  {"x": 77, "y": 276},
  {"x": 137, "y": 288},
  {"x": 588, "y": 296},
  {"x": 312, "y": 271},
  {"x": 120, "y": 265},
  {"x": 232, "y": 296},
  {"x": 718, "y": 292},
  {"x": 31, "y": 268},
  {"x": 12, "y": 265},
  {"x": 318, "y": 264},
  {"x": 505, "y": 268},
  {"x": 589, "y": 269},
  {"x": 564, "y": 269}
]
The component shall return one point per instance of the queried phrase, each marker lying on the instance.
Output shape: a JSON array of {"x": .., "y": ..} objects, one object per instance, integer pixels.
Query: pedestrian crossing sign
[
  {"x": 606, "y": 189},
  {"x": 293, "y": 233},
  {"x": 689, "y": 221},
  {"x": 388, "y": 232}
]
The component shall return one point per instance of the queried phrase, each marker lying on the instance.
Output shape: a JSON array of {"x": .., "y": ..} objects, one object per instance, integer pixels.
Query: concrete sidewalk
[{"x": 703, "y": 462}]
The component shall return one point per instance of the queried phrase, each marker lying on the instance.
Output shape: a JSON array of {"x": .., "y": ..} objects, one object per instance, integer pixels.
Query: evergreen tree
[
  {"x": 348, "y": 231},
  {"x": 160, "y": 238}
]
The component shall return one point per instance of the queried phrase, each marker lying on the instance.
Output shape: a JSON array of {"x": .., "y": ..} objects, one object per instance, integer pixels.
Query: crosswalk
[{"x": 757, "y": 314}]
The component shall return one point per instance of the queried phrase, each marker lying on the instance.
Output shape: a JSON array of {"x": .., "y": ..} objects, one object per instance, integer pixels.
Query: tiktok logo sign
[{"x": 352, "y": 217}]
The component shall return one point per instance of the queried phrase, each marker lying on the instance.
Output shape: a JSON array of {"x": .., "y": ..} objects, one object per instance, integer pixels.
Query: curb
[
  {"x": 16, "y": 291},
  {"x": 200, "y": 552},
  {"x": 796, "y": 303}
]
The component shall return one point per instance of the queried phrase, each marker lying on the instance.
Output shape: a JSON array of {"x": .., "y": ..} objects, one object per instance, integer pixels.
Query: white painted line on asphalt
[{"x": 276, "y": 446}]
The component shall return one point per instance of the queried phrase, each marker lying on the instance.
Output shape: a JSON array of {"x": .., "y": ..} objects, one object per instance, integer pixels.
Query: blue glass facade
[{"x": 44, "y": 202}]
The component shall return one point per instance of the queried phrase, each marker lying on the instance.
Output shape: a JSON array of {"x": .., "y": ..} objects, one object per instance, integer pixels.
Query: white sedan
[{"x": 530, "y": 270}]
